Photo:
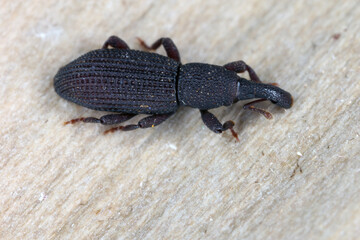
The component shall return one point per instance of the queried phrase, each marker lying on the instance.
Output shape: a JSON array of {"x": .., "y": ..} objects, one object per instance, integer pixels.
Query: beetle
[{"x": 131, "y": 82}]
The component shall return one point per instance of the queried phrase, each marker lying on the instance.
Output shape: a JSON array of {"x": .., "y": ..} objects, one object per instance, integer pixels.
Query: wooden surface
[{"x": 294, "y": 177}]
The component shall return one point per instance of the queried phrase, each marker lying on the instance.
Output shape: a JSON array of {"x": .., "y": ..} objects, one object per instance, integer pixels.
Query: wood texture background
[{"x": 294, "y": 177}]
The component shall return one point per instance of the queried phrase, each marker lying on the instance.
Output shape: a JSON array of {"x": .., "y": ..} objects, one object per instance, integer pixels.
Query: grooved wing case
[{"x": 120, "y": 80}]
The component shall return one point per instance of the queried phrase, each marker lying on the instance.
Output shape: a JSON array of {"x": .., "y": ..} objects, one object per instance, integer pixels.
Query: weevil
[{"x": 131, "y": 82}]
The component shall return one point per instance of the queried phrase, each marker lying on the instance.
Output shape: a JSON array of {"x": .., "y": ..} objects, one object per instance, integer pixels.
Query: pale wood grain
[{"x": 294, "y": 177}]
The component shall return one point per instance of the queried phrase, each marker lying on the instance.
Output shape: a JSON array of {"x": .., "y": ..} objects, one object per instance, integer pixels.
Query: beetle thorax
[{"x": 206, "y": 86}]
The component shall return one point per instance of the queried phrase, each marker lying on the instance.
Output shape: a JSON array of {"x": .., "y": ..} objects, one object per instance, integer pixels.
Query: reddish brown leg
[
  {"x": 240, "y": 67},
  {"x": 147, "y": 122},
  {"x": 115, "y": 42},
  {"x": 168, "y": 44},
  {"x": 109, "y": 119},
  {"x": 249, "y": 106},
  {"x": 214, "y": 124}
]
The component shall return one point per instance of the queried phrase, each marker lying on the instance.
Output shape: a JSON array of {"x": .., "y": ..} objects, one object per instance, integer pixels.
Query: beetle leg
[
  {"x": 115, "y": 42},
  {"x": 150, "y": 121},
  {"x": 214, "y": 125},
  {"x": 250, "y": 106},
  {"x": 240, "y": 67},
  {"x": 168, "y": 44},
  {"x": 109, "y": 119}
]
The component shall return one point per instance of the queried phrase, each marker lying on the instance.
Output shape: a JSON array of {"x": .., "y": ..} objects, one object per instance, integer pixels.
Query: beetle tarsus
[
  {"x": 235, "y": 135},
  {"x": 75, "y": 120},
  {"x": 250, "y": 106},
  {"x": 122, "y": 128}
]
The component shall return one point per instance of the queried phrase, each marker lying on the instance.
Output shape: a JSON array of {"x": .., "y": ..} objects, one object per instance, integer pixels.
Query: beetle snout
[{"x": 283, "y": 99}]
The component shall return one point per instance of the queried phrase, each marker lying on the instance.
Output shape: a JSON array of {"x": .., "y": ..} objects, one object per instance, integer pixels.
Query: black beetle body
[{"x": 132, "y": 82}]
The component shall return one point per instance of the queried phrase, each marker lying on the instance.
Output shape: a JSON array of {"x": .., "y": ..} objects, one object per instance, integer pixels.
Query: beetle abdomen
[
  {"x": 123, "y": 80},
  {"x": 206, "y": 86}
]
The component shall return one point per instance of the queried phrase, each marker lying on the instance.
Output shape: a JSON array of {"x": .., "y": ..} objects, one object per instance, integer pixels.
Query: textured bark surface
[{"x": 296, "y": 176}]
